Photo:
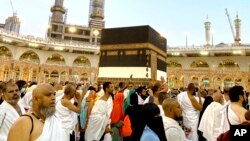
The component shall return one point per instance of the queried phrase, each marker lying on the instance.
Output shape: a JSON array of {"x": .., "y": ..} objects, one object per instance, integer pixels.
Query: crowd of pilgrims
[{"x": 69, "y": 111}]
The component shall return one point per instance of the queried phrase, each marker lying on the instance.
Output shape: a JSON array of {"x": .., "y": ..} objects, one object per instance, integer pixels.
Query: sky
[{"x": 171, "y": 18}]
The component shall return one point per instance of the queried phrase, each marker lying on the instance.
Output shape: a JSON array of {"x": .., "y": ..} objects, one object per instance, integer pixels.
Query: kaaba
[{"x": 137, "y": 51}]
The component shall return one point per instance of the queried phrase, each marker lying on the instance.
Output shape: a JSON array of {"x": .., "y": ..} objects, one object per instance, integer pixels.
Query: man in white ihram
[
  {"x": 211, "y": 119},
  {"x": 10, "y": 110},
  {"x": 41, "y": 124},
  {"x": 98, "y": 122},
  {"x": 191, "y": 110}
]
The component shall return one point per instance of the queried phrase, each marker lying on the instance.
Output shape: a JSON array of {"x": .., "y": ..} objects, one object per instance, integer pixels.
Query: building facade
[
  {"x": 36, "y": 59},
  {"x": 221, "y": 66}
]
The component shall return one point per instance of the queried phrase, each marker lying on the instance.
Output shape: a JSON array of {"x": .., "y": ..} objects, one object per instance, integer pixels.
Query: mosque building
[
  {"x": 73, "y": 52},
  {"x": 70, "y": 52},
  {"x": 210, "y": 66}
]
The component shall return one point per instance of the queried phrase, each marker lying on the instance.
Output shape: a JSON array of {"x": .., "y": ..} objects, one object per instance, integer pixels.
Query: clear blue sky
[{"x": 171, "y": 18}]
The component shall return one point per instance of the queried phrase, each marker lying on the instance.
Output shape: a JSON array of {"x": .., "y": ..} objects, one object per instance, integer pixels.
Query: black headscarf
[{"x": 150, "y": 117}]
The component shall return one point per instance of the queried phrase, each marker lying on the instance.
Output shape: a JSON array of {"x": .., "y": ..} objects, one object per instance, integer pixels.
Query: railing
[{"x": 51, "y": 42}]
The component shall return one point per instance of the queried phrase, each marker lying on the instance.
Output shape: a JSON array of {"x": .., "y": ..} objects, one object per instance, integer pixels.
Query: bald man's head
[
  {"x": 44, "y": 99},
  {"x": 168, "y": 103},
  {"x": 217, "y": 96},
  {"x": 42, "y": 89},
  {"x": 172, "y": 108}
]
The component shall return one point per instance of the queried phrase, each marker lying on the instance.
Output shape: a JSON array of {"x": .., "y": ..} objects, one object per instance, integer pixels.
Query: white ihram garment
[
  {"x": 8, "y": 115},
  {"x": 228, "y": 115},
  {"x": 190, "y": 115},
  {"x": 52, "y": 130},
  {"x": 173, "y": 131},
  {"x": 68, "y": 119},
  {"x": 210, "y": 121},
  {"x": 98, "y": 121}
]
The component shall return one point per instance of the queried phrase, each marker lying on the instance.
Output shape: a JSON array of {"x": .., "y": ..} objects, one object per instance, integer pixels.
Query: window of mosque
[
  {"x": 63, "y": 76},
  {"x": 82, "y": 62},
  {"x": 173, "y": 64},
  {"x": 229, "y": 64},
  {"x": 30, "y": 56},
  {"x": 238, "y": 81},
  {"x": 54, "y": 76},
  {"x": 172, "y": 82},
  {"x": 199, "y": 64},
  {"x": 195, "y": 80},
  {"x": 5, "y": 53},
  {"x": 34, "y": 75},
  {"x": 217, "y": 83},
  {"x": 56, "y": 59},
  {"x": 16, "y": 73},
  {"x": 205, "y": 82},
  {"x": 228, "y": 82}
]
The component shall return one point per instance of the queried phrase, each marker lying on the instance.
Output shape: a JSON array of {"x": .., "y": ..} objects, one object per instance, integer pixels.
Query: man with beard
[
  {"x": 173, "y": 113},
  {"x": 142, "y": 94},
  {"x": 10, "y": 110},
  {"x": 191, "y": 106},
  {"x": 41, "y": 124},
  {"x": 99, "y": 120},
  {"x": 233, "y": 114}
]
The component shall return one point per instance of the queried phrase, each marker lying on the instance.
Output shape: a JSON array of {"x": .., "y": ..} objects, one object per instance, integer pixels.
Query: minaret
[
  {"x": 96, "y": 14},
  {"x": 57, "y": 12},
  {"x": 207, "y": 31},
  {"x": 237, "y": 23}
]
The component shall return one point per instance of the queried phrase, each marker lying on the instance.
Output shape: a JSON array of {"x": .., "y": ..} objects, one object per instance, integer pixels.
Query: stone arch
[
  {"x": 181, "y": 81},
  {"x": 25, "y": 73},
  {"x": 5, "y": 53},
  {"x": 34, "y": 75},
  {"x": 195, "y": 80},
  {"x": 75, "y": 76},
  {"x": 63, "y": 76},
  {"x": 173, "y": 64},
  {"x": 238, "y": 81},
  {"x": 205, "y": 81},
  {"x": 173, "y": 81},
  {"x": 217, "y": 82},
  {"x": 82, "y": 61},
  {"x": 56, "y": 59},
  {"x": 199, "y": 64},
  {"x": 54, "y": 76},
  {"x": 45, "y": 76},
  {"x": 228, "y": 81},
  {"x": 17, "y": 73},
  {"x": 6, "y": 73},
  {"x": 30, "y": 56},
  {"x": 228, "y": 64}
]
